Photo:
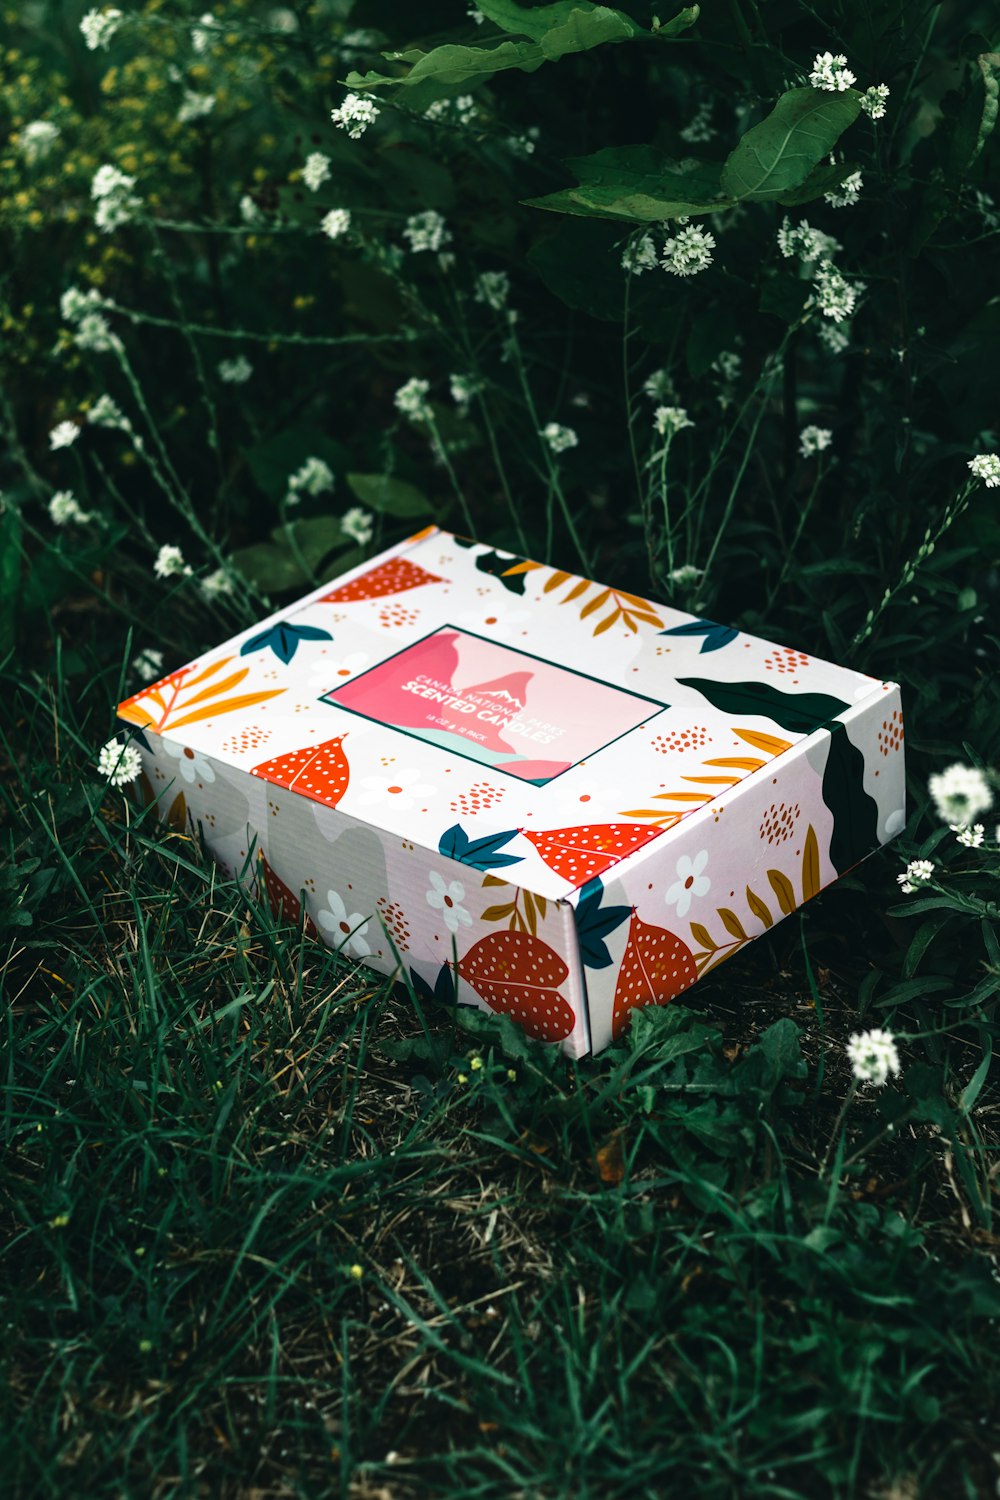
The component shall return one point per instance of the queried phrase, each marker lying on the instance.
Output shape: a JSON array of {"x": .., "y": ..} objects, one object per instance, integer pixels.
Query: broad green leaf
[
  {"x": 293, "y": 556},
  {"x": 389, "y": 496},
  {"x": 637, "y": 184},
  {"x": 553, "y": 31},
  {"x": 822, "y": 179},
  {"x": 778, "y": 155}
]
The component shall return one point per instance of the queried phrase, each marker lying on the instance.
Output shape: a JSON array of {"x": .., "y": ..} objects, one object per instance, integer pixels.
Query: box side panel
[
  {"x": 378, "y": 898},
  {"x": 733, "y": 870}
]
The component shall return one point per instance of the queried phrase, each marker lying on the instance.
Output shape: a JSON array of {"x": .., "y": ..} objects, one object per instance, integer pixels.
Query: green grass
[{"x": 664, "y": 1270}]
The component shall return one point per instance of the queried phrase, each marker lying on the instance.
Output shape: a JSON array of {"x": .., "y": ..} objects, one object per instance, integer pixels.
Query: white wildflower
[
  {"x": 873, "y": 101},
  {"x": 699, "y": 129},
  {"x": 970, "y": 838},
  {"x": 283, "y": 19},
  {"x": 63, "y": 435},
  {"x": 358, "y": 524},
  {"x": 250, "y": 213},
  {"x": 107, "y": 413},
  {"x": 316, "y": 171},
  {"x": 668, "y": 420},
  {"x": 847, "y": 194},
  {"x": 729, "y": 365},
  {"x": 73, "y": 303},
  {"x": 314, "y": 477},
  {"x": 216, "y": 585},
  {"x": 835, "y": 295},
  {"x": 195, "y": 106},
  {"x": 462, "y": 389},
  {"x": 336, "y": 223},
  {"x": 686, "y": 575},
  {"x": 493, "y": 288},
  {"x": 986, "y": 466},
  {"x": 170, "y": 562},
  {"x": 834, "y": 340},
  {"x": 524, "y": 145},
  {"x": 640, "y": 255},
  {"x": 959, "y": 793},
  {"x": 426, "y": 231},
  {"x": 37, "y": 139},
  {"x": 690, "y": 251},
  {"x": 411, "y": 400},
  {"x": 64, "y": 508},
  {"x": 559, "y": 438},
  {"x": 475, "y": 15},
  {"x": 805, "y": 242},
  {"x": 355, "y": 115},
  {"x": 99, "y": 27},
  {"x": 235, "y": 371},
  {"x": 119, "y": 763},
  {"x": 202, "y": 38},
  {"x": 93, "y": 332},
  {"x": 111, "y": 190},
  {"x": 986, "y": 209},
  {"x": 917, "y": 873},
  {"x": 873, "y": 1056},
  {"x": 814, "y": 440},
  {"x": 148, "y": 665},
  {"x": 458, "y": 111},
  {"x": 659, "y": 386},
  {"x": 831, "y": 73}
]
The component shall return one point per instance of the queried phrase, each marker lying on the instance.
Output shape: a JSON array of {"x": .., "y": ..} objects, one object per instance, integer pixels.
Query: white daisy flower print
[
  {"x": 396, "y": 786},
  {"x": 342, "y": 929},
  {"x": 446, "y": 897},
  {"x": 191, "y": 764},
  {"x": 690, "y": 882}
]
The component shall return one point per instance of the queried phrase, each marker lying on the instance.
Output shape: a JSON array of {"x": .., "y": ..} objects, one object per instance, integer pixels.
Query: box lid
[{"x": 458, "y": 697}]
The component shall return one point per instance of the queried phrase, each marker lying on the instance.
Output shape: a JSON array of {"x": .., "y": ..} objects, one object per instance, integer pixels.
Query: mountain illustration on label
[{"x": 493, "y": 704}]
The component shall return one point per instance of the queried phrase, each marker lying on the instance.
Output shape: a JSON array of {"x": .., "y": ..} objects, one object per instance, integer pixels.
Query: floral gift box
[{"x": 532, "y": 792}]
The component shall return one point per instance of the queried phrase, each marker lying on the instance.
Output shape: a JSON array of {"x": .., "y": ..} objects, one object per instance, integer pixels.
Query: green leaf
[
  {"x": 294, "y": 555},
  {"x": 855, "y": 813},
  {"x": 554, "y": 31},
  {"x": 822, "y": 179},
  {"x": 581, "y": 264},
  {"x": 778, "y": 155},
  {"x": 799, "y": 712},
  {"x": 637, "y": 184},
  {"x": 390, "y": 496}
]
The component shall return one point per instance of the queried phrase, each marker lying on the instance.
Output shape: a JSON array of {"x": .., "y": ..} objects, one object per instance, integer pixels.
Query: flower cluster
[
  {"x": 93, "y": 332},
  {"x": 462, "y": 389},
  {"x": 558, "y": 438},
  {"x": 107, "y": 413},
  {"x": 458, "y": 111},
  {"x": 119, "y": 763},
  {"x": 847, "y": 194},
  {"x": 836, "y": 297},
  {"x": 358, "y": 525},
  {"x": 195, "y": 106},
  {"x": 235, "y": 371},
  {"x": 427, "y": 231},
  {"x": 111, "y": 190},
  {"x": 969, "y": 838},
  {"x": 831, "y": 73},
  {"x": 699, "y": 128},
  {"x": 64, "y": 508},
  {"x": 805, "y": 242},
  {"x": 873, "y": 1056},
  {"x": 640, "y": 255},
  {"x": 316, "y": 171},
  {"x": 355, "y": 115},
  {"x": 411, "y": 400},
  {"x": 814, "y": 440},
  {"x": 148, "y": 665},
  {"x": 960, "y": 793},
  {"x": 63, "y": 435},
  {"x": 314, "y": 477},
  {"x": 873, "y": 101},
  {"x": 668, "y": 420},
  {"x": 99, "y": 27},
  {"x": 986, "y": 466},
  {"x": 690, "y": 251},
  {"x": 917, "y": 873},
  {"x": 493, "y": 288},
  {"x": 37, "y": 139},
  {"x": 336, "y": 223},
  {"x": 170, "y": 563}
]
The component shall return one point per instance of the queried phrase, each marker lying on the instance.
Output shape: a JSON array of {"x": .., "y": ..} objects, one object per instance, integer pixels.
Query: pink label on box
[{"x": 493, "y": 704}]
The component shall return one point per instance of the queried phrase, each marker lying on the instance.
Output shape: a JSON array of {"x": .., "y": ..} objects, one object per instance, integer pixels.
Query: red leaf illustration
[
  {"x": 579, "y": 854},
  {"x": 317, "y": 771},
  {"x": 518, "y": 975},
  {"x": 392, "y": 577},
  {"x": 287, "y": 907},
  {"x": 656, "y": 968}
]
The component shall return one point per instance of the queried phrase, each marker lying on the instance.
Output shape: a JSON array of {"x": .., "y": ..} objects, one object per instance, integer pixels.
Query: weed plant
[{"x": 688, "y": 303}]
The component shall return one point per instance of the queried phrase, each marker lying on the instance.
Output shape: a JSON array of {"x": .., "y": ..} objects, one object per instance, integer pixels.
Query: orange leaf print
[{"x": 657, "y": 967}]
